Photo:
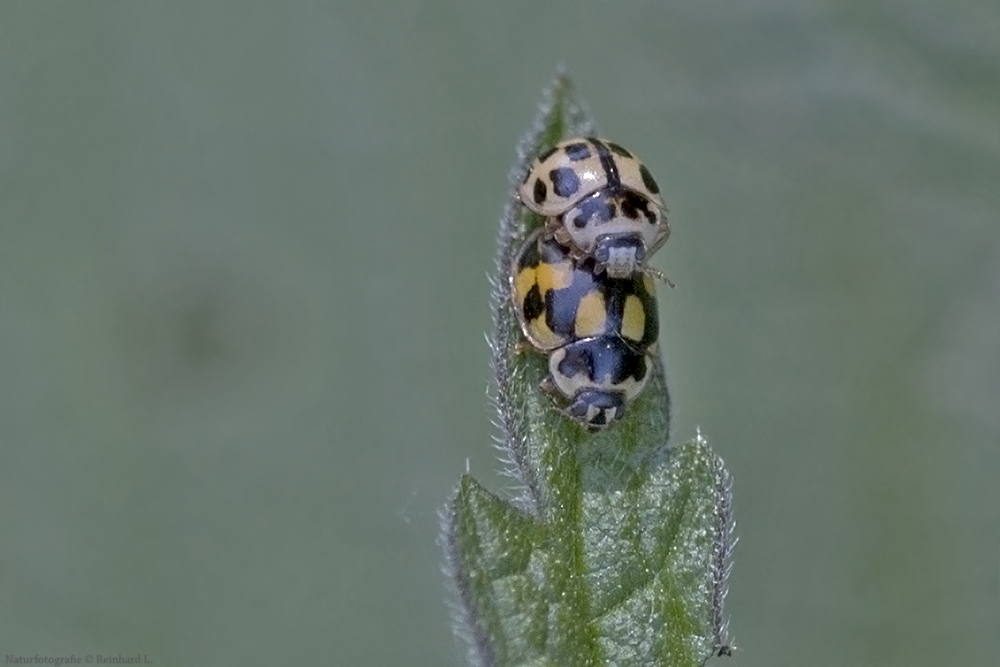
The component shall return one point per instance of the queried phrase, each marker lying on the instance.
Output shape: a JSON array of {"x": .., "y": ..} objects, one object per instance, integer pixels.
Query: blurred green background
[{"x": 243, "y": 251}]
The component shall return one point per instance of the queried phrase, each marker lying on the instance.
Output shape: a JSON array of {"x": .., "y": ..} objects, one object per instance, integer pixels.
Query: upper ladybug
[
  {"x": 565, "y": 174},
  {"x": 600, "y": 200}
]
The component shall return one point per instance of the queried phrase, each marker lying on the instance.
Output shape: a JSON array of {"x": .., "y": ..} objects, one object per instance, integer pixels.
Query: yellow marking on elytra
[
  {"x": 543, "y": 336},
  {"x": 591, "y": 315},
  {"x": 522, "y": 285},
  {"x": 554, "y": 276},
  {"x": 633, "y": 319}
]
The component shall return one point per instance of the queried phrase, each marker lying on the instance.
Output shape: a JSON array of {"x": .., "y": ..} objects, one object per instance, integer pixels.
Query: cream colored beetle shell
[
  {"x": 601, "y": 201},
  {"x": 575, "y": 168}
]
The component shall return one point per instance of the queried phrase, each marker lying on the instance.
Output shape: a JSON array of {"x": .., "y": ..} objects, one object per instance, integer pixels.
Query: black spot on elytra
[
  {"x": 639, "y": 370},
  {"x": 540, "y": 191},
  {"x": 533, "y": 304},
  {"x": 564, "y": 181},
  {"x": 529, "y": 257},
  {"x": 648, "y": 181},
  {"x": 618, "y": 150},
  {"x": 577, "y": 152},
  {"x": 608, "y": 164},
  {"x": 632, "y": 360}
]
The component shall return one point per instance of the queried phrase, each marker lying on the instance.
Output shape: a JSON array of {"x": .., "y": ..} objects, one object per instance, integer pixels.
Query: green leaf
[{"x": 616, "y": 552}]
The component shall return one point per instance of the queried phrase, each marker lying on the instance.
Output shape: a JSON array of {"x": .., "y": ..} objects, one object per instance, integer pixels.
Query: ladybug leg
[
  {"x": 548, "y": 385},
  {"x": 521, "y": 347},
  {"x": 560, "y": 234}
]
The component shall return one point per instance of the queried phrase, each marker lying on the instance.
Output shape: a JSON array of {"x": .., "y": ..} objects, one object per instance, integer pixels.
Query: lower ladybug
[{"x": 598, "y": 332}]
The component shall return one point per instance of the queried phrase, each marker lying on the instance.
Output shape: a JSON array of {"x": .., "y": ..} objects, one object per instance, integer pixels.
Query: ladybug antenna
[{"x": 659, "y": 275}]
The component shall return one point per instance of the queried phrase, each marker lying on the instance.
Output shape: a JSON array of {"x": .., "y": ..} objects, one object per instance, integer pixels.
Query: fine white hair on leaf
[
  {"x": 722, "y": 564},
  {"x": 511, "y": 414},
  {"x": 464, "y": 622}
]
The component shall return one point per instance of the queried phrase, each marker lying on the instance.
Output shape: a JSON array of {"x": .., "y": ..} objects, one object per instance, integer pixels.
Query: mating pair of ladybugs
[{"x": 580, "y": 285}]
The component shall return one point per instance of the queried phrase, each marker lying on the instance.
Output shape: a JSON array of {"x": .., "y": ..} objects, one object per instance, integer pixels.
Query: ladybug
[
  {"x": 598, "y": 332},
  {"x": 599, "y": 200}
]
